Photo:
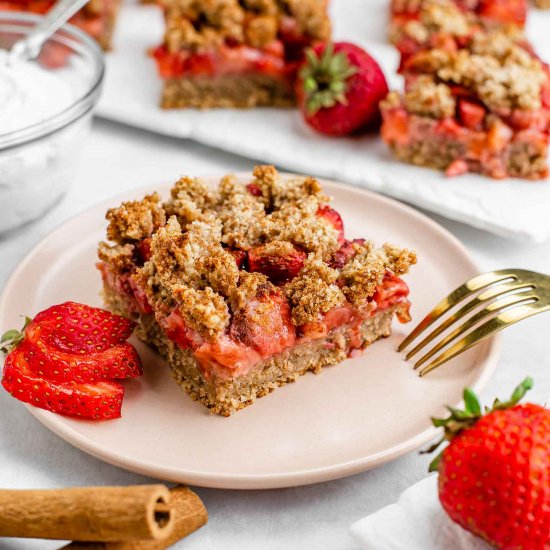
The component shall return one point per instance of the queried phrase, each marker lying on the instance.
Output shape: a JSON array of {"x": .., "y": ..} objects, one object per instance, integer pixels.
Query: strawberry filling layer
[
  {"x": 225, "y": 60},
  {"x": 279, "y": 59},
  {"x": 480, "y": 146},
  {"x": 264, "y": 328}
]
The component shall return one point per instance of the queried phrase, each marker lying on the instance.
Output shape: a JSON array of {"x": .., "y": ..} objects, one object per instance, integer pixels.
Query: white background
[{"x": 116, "y": 158}]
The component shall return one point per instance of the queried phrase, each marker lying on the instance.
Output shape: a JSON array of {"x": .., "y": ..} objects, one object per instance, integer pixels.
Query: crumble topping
[
  {"x": 513, "y": 81},
  {"x": 438, "y": 16},
  {"x": 426, "y": 98},
  {"x": 445, "y": 17},
  {"x": 135, "y": 220},
  {"x": 240, "y": 213},
  {"x": 251, "y": 286},
  {"x": 175, "y": 254},
  {"x": 314, "y": 291},
  {"x": 360, "y": 277},
  {"x": 196, "y": 257},
  {"x": 203, "y": 310},
  {"x": 119, "y": 257},
  {"x": 221, "y": 271},
  {"x": 203, "y": 24},
  {"x": 190, "y": 198}
]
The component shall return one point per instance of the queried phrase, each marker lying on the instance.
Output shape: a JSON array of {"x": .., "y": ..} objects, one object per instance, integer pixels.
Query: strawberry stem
[
  {"x": 325, "y": 78},
  {"x": 462, "y": 419},
  {"x": 12, "y": 338}
]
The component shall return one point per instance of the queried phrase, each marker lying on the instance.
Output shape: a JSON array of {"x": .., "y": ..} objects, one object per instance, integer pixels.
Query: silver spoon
[{"x": 30, "y": 46}]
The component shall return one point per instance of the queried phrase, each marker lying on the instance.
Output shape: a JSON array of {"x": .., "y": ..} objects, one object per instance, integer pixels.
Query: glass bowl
[{"x": 37, "y": 163}]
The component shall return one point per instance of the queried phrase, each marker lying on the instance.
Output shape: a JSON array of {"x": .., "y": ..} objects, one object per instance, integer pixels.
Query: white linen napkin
[{"x": 416, "y": 521}]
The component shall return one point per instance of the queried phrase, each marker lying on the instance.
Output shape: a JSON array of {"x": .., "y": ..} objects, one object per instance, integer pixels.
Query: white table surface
[{"x": 116, "y": 158}]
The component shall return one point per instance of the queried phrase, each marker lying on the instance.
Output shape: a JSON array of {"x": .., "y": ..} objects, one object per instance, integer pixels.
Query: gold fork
[{"x": 507, "y": 296}]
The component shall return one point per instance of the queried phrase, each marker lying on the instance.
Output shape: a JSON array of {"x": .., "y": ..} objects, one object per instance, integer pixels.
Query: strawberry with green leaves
[
  {"x": 494, "y": 476},
  {"x": 67, "y": 359},
  {"x": 339, "y": 89}
]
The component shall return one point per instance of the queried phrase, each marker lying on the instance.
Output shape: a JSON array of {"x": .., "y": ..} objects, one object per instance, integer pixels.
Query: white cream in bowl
[{"x": 34, "y": 174}]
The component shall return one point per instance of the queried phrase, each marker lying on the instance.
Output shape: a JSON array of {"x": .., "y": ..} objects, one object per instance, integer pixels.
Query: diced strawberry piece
[
  {"x": 226, "y": 356},
  {"x": 78, "y": 328},
  {"x": 392, "y": 290},
  {"x": 240, "y": 257},
  {"x": 254, "y": 189},
  {"x": 280, "y": 268},
  {"x": 395, "y": 126},
  {"x": 471, "y": 114},
  {"x": 139, "y": 296},
  {"x": 499, "y": 136},
  {"x": 177, "y": 330},
  {"x": 504, "y": 11},
  {"x": 345, "y": 253},
  {"x": 98, "y": 400},
  {"x": 457, "y": 168},
  {"x": 334, "y": 218},
  {"x": 143, "y": 250},
  {"x": 264, "y": 325}
]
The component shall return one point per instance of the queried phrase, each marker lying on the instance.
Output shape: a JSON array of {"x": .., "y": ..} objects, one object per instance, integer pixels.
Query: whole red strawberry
[
  {"x": 339, "y": 88},
  {"x": 66, "y": 359},
  {"x": 494, "y": 477}
]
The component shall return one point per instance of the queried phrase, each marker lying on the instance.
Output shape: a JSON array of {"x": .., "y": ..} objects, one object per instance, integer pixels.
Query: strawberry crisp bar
[
  {"x": 97, "y": 17},
  {"x": 475, "y": 100},
  {"x": 236, "y": 53},
  {"x": 405, "y": 15},
  {"x": 247, "y": 287}
]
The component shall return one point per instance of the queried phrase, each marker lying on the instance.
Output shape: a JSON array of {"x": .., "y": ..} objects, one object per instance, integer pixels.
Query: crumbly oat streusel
[
  {"x": 427, "y": 98},
  {"x": 135, "y": 220},
  {"x": 200, "y": 24},
  {"x": 192, "y": 265},
  {"x": 513, "y": 81}
]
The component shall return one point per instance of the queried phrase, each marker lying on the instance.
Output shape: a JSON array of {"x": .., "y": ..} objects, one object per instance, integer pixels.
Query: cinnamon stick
[
  {"x": 189, "y": 515},
  {"x": 88, "y": 513}
]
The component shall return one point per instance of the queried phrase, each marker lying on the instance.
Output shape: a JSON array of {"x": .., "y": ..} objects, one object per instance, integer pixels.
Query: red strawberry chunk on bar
[
  {"x": 98, "y": 400},
  {"x": 143, "y": 250},
  {"x": 334, "y": 218},
  {"x": 226, "y": 357},
  {"x": 264, "y": 325},
  {"x": 471, "y": 114},
  {"x": 504, "y": 11},
  {"x": 280, "y": 268},
  {"x": 240, "y": 257},
  {"x": 345, "y": 253},
  {"x": 254, "y": 189},
  {"x": 80, "y": 329}
]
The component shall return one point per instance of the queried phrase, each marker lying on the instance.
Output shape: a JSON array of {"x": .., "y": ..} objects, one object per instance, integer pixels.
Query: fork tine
[
  {"x": 457, "y": 295},
  {"x": 494, "y": 325},
  {"x": 489, "y": 294},
  {"x": 495, "y": 307}
]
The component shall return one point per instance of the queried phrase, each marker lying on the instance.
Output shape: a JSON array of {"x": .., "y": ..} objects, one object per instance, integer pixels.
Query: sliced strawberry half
[
  {"x": 98, "y": 400},
  {"x": 335, "y": 220},
  {"x": 118, "y": 362},
  {"x": 281, "y": 267},
  {"x": 79, "y": 329}
]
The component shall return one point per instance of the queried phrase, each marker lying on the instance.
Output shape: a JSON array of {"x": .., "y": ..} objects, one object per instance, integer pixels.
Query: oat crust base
[
  {"x": 238, "y": 92},
  {"x": 225, "y": 397}
]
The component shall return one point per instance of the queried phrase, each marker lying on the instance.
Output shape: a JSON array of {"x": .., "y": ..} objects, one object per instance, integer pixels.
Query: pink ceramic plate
[{"x": 352, "y": 417}]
